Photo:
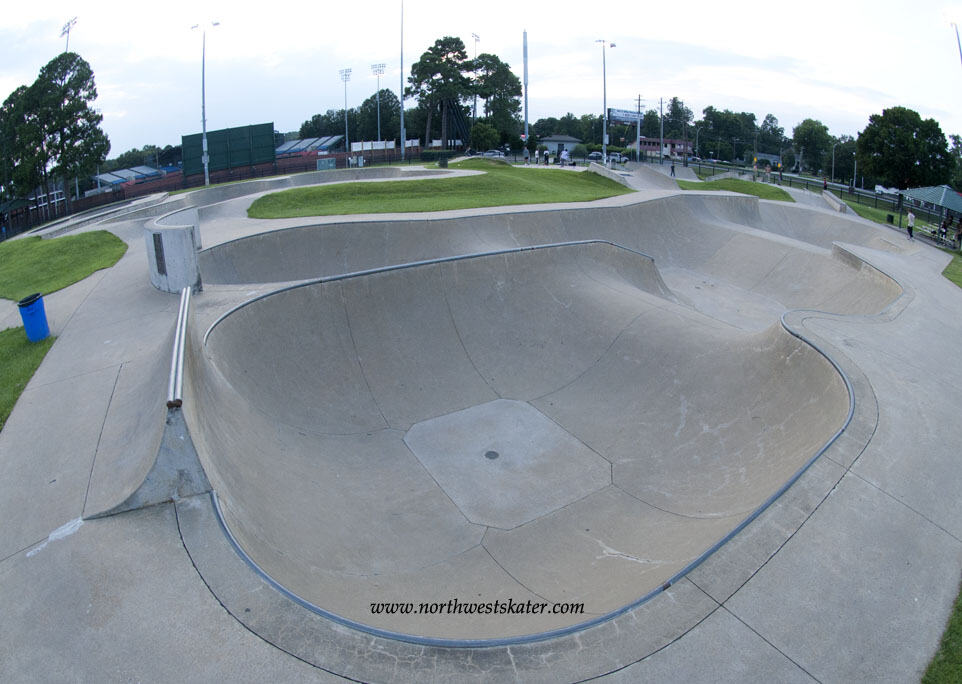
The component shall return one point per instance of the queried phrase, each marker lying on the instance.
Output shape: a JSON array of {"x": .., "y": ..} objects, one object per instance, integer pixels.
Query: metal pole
[
  {"x": 403, "y": 134},
  {"x": 525, "y": 88},
  {"x": 638, "y": 134},
  {"x": 476, "y": 39},
  {"x": 346, "y": 76},
  {"x": 661, "y": 118},
  {"x": 205, "y": 157},
  {"x": 378, "y": 69},
  {"x": 604, "y": 105},
  {"x": 833, "y": 161}
]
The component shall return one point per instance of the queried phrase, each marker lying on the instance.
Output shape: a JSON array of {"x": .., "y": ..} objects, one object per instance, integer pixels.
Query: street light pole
[
  {"x": 378, "y": 70},
  {"x": 833, "y": 161},
  {"x": 205, "y": 157},
  {"x": 604, "y": 100},
  {"x": 346, "y": 76}
]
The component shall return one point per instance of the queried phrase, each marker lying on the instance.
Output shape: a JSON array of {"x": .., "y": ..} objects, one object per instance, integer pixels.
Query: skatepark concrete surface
[{"x": 726, "y": 427}]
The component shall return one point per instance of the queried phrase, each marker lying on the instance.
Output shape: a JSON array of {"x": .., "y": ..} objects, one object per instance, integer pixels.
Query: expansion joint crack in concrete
[
  {"x": 506, "y": 572},
  {"x": 675, "y": 513},
  {"x": 776, "y": 648},
  {"x": 100, "y": 436},
  {"x": 183, "y": 543},
  {"x": 899, "y": 501},
  {"x": 594, "y": 363},
  {"x": 357, "y": 358},
  {"x": 457, "y": 331}
]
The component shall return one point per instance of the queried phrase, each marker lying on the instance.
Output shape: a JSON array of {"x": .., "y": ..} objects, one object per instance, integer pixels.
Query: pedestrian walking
[
  {"x": 672, "y": 168},
  {"x": 527, "y": 156},
  {"x": 911, "y": 223}
]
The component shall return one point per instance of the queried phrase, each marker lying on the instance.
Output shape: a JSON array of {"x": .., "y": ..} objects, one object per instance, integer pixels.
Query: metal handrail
[{"x": 175, "y": 386}]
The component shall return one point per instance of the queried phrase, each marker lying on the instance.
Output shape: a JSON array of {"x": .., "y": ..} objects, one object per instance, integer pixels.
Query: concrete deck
[{"x": 676, "y": 400}]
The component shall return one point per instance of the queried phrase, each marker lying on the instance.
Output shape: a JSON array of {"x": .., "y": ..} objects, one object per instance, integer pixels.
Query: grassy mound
[
  {"x": 37, "y": 265},
  {"x": 760, "y": 190},
  {"x": 500, "y": 185}
]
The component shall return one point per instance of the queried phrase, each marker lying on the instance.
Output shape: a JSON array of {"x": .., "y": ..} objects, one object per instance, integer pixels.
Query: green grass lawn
[
  {"x": 954, "y": 270},
  {"x": 19, "y": 358},
  {"x": 37, "y": 265},
  {"x": 761, "y": 190},
  {"x": 946, "y": 665},
  {"x": 500, "y": 185}
]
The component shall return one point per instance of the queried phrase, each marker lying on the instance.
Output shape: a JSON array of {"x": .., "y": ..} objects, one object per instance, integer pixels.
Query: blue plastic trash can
[{"x": 34, "y": 317}]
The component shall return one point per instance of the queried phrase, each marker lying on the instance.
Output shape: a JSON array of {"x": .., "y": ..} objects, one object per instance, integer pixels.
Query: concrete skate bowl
[{"x": 546, "y": 425}]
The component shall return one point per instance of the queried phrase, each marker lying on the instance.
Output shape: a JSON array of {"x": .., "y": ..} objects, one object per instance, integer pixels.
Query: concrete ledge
[
  {"x": 608, "y": 173},
  {"x": 834, "y": 202}
]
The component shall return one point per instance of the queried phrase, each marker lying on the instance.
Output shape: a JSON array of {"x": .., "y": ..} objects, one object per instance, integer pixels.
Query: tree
[
  {"x": 813, "y": 143},
  {"x": 483, "y": 136},
  {"x": 902, "y": 150},
  {"x": 20, "y": 143},
  {"x": 677, "y": 119},
  {"x": 390, "y": 116},
  {"x": 73, "y": 139},
  {"x": 651, "y": 124},
  {"x": 844, "y": 158},
  {"x": 771, "y": 136},
  {"x": 439, "y": 78},
  {"x": 501, "y": 89}
]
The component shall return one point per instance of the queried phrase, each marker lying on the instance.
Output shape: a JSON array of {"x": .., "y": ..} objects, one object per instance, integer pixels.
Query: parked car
[
  {"x": 594, "y": 156},
  {"x": 494, "y": 153},
  {"x": 617, "y": 157}
]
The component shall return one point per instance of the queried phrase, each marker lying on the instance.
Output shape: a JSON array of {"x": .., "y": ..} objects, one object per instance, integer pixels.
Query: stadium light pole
[
  {"x": 346, "y": 76},
  {"x": 476, "y": 39},
  {"x": 378, "y": 70},
  {"x": 66, "y": 32},
  {"x": 205, "y": 157},
  {"x": 604, "y": 101},
  {"x": 401, "y": 89}
]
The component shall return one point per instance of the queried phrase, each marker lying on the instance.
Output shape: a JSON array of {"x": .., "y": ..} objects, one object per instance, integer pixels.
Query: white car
[{"x": 494, "y": 153}]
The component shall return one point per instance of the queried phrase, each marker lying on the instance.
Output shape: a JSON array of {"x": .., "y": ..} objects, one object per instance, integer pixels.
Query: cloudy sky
[{"x": 278, "y": 61}]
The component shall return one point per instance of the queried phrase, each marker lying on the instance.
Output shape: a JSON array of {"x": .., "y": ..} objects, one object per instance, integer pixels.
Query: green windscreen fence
[{"x": 229, "y": 148}]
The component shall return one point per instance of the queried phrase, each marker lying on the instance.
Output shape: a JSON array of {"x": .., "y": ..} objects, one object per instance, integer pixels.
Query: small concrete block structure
[{"x": 172, "y": 244}]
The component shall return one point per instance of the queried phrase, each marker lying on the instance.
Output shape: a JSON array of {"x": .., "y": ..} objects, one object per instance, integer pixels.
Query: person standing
[
  {"x": 911, "y": 223},
  {"x": 672, "y": 168}
]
